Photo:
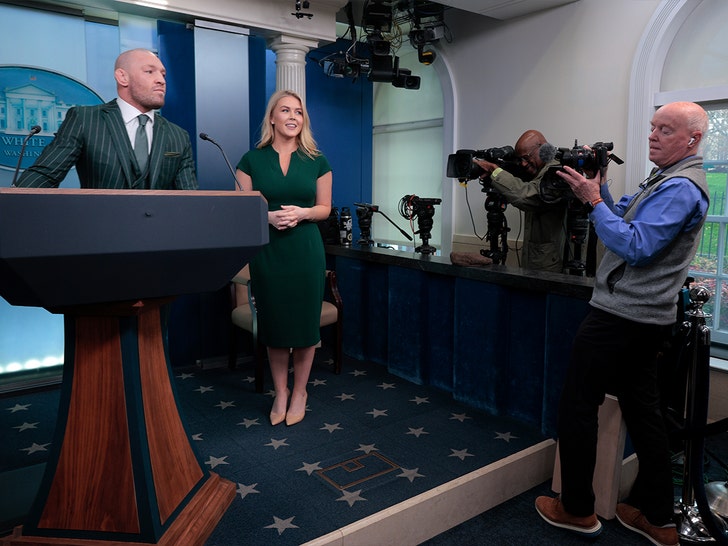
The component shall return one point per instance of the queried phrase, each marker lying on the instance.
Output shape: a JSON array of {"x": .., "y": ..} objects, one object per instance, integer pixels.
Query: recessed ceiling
[{"x": 504, "y": 9}]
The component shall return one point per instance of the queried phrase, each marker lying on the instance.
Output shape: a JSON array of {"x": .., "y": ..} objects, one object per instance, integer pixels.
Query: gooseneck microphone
[
  {"x": 205, "y": 136},
  {"x": 33, "y": 131}
]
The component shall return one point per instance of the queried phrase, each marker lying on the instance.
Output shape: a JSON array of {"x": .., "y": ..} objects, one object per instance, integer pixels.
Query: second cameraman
[{"x": 544, "y": 235}]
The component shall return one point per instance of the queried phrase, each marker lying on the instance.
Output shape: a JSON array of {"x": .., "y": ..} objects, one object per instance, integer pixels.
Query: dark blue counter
[{"x": 498, "y": 338}]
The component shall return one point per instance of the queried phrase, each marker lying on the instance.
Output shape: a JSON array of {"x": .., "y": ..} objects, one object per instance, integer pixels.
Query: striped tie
[{"x": 141, "y": 144}]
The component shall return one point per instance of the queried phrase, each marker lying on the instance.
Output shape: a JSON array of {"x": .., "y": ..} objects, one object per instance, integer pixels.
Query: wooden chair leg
[
  {"x": 338, "y": 352},
  {"x": 232, "y": 348},
  {"x": 259, "y": 366}
]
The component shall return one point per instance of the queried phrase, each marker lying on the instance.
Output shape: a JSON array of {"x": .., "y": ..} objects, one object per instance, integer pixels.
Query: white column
[{"x": 291, "y": 62}]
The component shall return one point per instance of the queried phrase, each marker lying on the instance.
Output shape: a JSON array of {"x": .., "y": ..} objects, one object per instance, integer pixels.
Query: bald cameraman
[
  {"x": 651, "y": 238},
  {"x": 544, "y": 235}
]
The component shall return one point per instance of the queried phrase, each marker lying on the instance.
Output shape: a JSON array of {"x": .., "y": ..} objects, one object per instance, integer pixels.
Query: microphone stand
[
  {"x": 33, "y": 131},
  {"x": 204, "y": 136}
]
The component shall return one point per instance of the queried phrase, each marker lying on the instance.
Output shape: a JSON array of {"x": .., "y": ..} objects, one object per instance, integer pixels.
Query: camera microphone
[{"x": 547, "y": 152}]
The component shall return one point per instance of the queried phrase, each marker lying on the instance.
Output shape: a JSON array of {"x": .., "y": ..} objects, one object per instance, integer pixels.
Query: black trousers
[{"x": 616, "y": 356}]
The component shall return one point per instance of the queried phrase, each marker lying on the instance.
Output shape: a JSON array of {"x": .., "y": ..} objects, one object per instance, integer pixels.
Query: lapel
[
  {"x": 158, "y": 147},
  {"x": 114, "y": 125}
]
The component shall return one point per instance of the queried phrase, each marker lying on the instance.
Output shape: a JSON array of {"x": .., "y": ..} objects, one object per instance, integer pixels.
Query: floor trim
[{"x": 427, "y": 515}]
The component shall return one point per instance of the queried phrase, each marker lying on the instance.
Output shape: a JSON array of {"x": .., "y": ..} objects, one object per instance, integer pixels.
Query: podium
[{"x": 122, "y": 469}]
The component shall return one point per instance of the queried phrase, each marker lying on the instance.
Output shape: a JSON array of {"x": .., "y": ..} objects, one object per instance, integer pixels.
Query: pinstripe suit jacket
[{"x": 94, "y": 139}]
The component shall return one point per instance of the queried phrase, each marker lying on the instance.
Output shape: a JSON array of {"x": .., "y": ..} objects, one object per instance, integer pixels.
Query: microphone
[
  {"x": 205, "y": 136},
  {"x": 33, "y": 131},
  {"x": 547, "y": 152}
]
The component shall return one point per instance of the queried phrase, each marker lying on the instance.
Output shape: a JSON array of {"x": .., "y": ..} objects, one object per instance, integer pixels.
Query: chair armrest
[{"x": 241, "y": 279}]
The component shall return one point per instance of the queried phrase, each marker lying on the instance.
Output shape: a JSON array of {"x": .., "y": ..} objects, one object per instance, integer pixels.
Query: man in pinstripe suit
[{"x": 100, "y": 140}]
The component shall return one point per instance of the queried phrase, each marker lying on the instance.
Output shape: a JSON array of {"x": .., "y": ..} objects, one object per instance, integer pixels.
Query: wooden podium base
[
  {"x": 122, "y": 469},
  {"x": 192, "y": 527}
]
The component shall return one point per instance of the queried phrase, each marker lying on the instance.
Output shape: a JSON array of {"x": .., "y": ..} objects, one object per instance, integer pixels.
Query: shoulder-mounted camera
[{"x": 589, "y": 160}]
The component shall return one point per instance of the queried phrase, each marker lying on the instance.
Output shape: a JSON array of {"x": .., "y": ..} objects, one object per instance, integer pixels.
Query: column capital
[
  {"x": 291, "y": 62},
  {"x": 285, "y": 41}
]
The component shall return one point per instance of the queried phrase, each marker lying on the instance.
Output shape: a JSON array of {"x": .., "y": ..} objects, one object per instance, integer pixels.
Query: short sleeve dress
[{"x": 288, "y": 274}]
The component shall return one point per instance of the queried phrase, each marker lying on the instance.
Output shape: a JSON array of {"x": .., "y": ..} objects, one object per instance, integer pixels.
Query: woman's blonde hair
[{"x": 306, "y": 142}]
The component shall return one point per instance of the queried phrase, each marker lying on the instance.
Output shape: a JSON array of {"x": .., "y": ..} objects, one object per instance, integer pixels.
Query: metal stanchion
[{"x": 696, "y": 522}]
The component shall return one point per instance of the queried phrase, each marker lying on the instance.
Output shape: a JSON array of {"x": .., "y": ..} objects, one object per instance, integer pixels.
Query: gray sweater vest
[{"x": 649, "y": 293}]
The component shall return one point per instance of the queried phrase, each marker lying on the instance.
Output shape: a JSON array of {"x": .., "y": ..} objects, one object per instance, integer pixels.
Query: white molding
[{"x": 645, "y": 78}]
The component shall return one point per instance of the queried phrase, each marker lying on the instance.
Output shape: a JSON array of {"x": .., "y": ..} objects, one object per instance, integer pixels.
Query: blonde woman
[{"x": 288, "y": 274}]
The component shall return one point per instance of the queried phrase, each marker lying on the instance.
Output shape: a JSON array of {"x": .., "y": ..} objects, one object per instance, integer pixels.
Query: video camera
[
  {"x": 553, "y": 188},
  {"x": 460, "y": 164}
]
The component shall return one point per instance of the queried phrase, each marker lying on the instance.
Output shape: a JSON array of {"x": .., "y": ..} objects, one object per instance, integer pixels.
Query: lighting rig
[
  {"x": 384, "y": 24},
  {"x": 428, "y": 27}
]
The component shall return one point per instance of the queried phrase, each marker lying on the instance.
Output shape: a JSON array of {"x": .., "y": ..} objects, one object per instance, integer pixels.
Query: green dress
[{"x": 288, "y": 274}]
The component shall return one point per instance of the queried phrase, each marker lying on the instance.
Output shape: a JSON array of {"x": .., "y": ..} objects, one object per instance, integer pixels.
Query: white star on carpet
[
  {"x": 331, "y": 428},
  {"x": 282, "y": 524},
  {"x": 351, "y": 498},
  {"x": 309, "y": 468},
  {"x": 185, "y": 375},
  {"x": 385, "y": 386},
  {"x": 26, "y": 426},
  {"x": 248, "y": 379},
  {"x": 318, "y": 382},
  {"x": 197, "y": 437},
  {"x": 343, "y": 396},
  {"x": 378, "y": 413},
  {"x": 459, "y": 416},
  {"x": 215, "y": 461},
  {"x": 417, "y": 400},
  {"x": 18, "y": 407},
  {"x": 245, "y": 490},
  {"x": 247, "y": 423},
  {"x": 417, "y": 431},
  {"x": 203, "y": 390},
  {"x": 224, "y": 405},
  {"x": 460, "y": 453},
  {"x": 410, "y": 474},
  {"x": 507, "y": 436},
  {"x": 366, "y": 448},
  {"x": 275, "y": 444},
  {"x": 357, "y": 373},
  {"x": 35, "y": 447}
]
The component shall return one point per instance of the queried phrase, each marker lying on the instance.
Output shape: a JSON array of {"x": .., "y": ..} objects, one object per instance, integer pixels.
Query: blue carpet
[{"x": 369, "y": 440}]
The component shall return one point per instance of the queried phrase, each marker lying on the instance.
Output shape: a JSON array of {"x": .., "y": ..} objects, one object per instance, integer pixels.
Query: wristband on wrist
[
  {"x": 496, "y": 172},
  {"x": 590, "y": 205}
]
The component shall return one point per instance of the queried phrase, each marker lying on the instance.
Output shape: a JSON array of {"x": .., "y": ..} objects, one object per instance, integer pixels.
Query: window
[
  {"x": 695, "y": 68},
  {"x": 407, "y": 151},
  {"x": 709, "y": 267}
]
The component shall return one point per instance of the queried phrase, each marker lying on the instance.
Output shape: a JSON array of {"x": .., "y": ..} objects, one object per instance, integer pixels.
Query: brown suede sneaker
[
  {"x": 634, "y": 520},
  {"x": 552, "y": 511}
]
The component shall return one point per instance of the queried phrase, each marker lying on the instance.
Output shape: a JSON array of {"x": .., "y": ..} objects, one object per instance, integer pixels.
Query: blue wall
[
  {"x": 341, "y": 117},
  {"x": 340, "y": 109}
]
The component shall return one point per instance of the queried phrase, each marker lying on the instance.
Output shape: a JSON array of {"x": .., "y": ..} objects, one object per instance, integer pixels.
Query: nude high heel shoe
[
  {"x": 293, "y": 418},
  {"x": 276, "y": 417}
]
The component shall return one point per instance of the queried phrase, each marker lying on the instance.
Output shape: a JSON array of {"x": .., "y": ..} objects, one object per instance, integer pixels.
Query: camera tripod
[
  {"x": 364, "y": 213},
  {"x": 411, "y": 207},
  {"x": 497, "y": 234},
  {"x": 579, "y": 230}
]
